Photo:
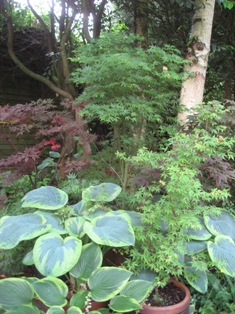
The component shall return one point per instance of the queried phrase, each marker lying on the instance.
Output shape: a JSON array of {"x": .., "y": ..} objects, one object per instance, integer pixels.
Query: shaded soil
[{"x": 166, "y": 296}]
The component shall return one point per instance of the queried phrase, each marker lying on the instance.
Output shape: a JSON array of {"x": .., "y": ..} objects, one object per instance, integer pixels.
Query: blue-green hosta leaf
[
  {"x": 104, "y": 192},
  {"x": 196, "y": 278},
  {"x": 52, "y": 291},
  {"x": 81, "y": 207},
  {"x": 74, "y": 310},
  {"x": 222, "y": 253},
  {"x": 146, "y": 275},
  {"x": 74, "y": 226},
  {"x": 107, "y": 282},
  {"x": 54, "y": 154},
  {"x": 15, "y": 292},
  {"x": 45, "y": 197},
  {"x": 24, "y": 309},
  {"x": 14, "y": 229},
  {"x": 28, "y": 259},
  {"x": 79, "y": 299},
  {"x": 55, "y": 256},
  {"x": 54, "y": 221},
  {"x": 223, "y": 224},
  {"x": 56, "y": 310},
  {"x": 124, "y": 304},
  {"x": 90, "y": 260},
  {"x": 137, "y": 289},
  {"x": 134, "y": 216},
  {"x": 201, "y": 234},
  {"x": 111, "y": 230},
  {"x": 48, "y": 162},
  {"x": 194, "y": 247}
]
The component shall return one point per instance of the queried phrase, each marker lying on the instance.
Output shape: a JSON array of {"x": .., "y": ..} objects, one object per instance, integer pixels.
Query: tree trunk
[
  {"x": 141, "y": 22},
  {"x": 198, "y": 52}
]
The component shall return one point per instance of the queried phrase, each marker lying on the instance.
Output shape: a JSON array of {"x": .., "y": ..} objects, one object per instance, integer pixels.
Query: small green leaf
[
  {"x": 28, "y": 259},
  {"x": 74, "y": 310},
  {"x": 54, "y": 154},
  {"x": 45, "y": 197},
  {"x": 79, "y": 299},
  {"x": 125, "y": 304}
]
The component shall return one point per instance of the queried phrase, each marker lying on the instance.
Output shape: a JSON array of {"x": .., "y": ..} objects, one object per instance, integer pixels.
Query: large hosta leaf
[
  {"x": 74, "y": 226},
  {"x": 222, "y": 253},
  {"x": 104, "y": 192},
  {"x": 196, "y": 278},
  {"x": 14, "y": 229},
  {"x": 107, "y": 282},
  {"x": 15, "y": 292},
  {"x": 111, "y": 230},
  {"x": 223, "y": 224},
  {"x": 74, "y": 310},
  {"x": 90, "y": 260},
  {"x": 55, "y": 256},
  {"x": 124, "y": 304},
  {"x": 45, "y": 197},
  {"x": 52, "y": 291},
  {"x": 137, "y": 289}
]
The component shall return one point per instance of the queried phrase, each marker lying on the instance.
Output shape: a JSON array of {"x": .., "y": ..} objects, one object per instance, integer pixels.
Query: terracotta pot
[{"x": 179, "y": 308}]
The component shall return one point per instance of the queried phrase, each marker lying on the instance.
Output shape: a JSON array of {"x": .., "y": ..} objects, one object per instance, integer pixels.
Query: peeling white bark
[{"x": 198, "y": 53}]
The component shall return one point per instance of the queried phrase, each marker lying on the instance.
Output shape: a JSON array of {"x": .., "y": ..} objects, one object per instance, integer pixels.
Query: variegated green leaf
[
  {"x": 107, "y": 282},
  {"x": 45, "y": 197},
  {"x": 56, "y": 310},
  {"x": 222, "y": 224},
  {"x": 74, "y": 226},
  {"x": 14, "y": 229},
  {"x": 55, "y": 256},
  {"x": 137, "y": 289},
  {"x": 52, "y": 291},
  {"x": 74, "y": 310},
  {"x": 28, "y": 259},
  {"x": 79, "y": 299},
  {"x": 111, "y": 230},
  {"x": 196, "y": 278},
  {"x": 90, "y": 260},
  {"x": 53, "y": 220},
  {"x": 222, "y": 253},
  {"x": 201, "y": 234},
  {"x": 23, "y": 309},
  {"x": 15, "y": 292},
  {"x": 124, "y": 304},
  {"x": 104, "y": 192}
]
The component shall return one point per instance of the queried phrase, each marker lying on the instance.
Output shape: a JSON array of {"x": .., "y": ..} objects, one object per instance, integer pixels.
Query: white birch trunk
[{"x": 198, "y": 52}]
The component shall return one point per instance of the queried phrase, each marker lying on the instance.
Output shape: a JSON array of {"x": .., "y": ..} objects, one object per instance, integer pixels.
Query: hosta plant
[{"x": 69, "y": 239}]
